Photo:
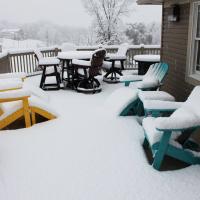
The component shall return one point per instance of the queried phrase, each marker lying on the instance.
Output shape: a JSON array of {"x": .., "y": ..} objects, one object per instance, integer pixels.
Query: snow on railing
[{"x": 24, "y": 60}]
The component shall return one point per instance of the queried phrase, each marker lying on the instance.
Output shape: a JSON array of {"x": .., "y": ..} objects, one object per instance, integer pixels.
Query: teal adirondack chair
[
  {"x": 136, "y": 107},
  {"x": 170, "y": 135},
  {"x": 157, "y": 71}
]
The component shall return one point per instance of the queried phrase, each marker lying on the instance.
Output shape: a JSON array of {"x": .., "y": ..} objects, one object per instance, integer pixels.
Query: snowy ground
[{"x": 86, "y": 154}]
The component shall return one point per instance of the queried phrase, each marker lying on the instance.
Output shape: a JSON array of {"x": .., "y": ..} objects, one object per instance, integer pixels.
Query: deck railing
[{"x": 24, "y": 61}]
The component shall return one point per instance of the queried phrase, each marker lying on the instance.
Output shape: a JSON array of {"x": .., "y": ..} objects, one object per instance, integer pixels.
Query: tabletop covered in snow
[
  {"x": 147, "y": 58},
  {"x": 75, "y": 55}
]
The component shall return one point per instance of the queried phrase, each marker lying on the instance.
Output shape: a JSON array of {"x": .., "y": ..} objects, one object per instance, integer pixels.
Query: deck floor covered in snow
[{"x": 86, "y": 154}]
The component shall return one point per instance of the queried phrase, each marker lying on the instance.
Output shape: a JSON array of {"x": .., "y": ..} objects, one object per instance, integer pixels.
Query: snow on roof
[{"x": 14, "y": 30}]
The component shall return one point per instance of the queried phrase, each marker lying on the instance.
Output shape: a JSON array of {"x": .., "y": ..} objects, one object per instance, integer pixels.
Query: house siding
[{"x": 174, "y": 52}]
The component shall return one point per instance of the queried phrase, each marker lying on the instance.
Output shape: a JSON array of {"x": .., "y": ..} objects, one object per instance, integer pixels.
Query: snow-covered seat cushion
[
  {"x": 149, "y": 82},
  {"x": 155, "y": 95},
  {"x": 49, "y": 61},
  {"x": 81, "y": 62},
  {"x": 131, "y": 77},
  {"x": 9, "y": 84},
  {"x": 161, "y": 105},
  {"x": 182, "y": 118},
  {"x": 20, "y": 75},
  {"x": 107, "y": 65},
  {"x": 11, "y": 107},
  {"x": 120, "y": 99},
  {"x": 154, "y": 136}
]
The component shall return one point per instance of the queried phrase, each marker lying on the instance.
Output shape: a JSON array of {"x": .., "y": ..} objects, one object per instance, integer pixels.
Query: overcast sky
[{"x": 65, "y": 12}]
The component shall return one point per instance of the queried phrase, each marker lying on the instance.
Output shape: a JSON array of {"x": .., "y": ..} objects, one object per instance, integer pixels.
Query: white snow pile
[
  {"x": 155, "y": 95},
  {"x": 188, "y": 115},
  {"x": 86, "y": 154},
  {"x": 161, "y": 105},
  {"x": 120, "y": 99},
  {"x": 6, "y": 84},
  {"x": 154, "y": 136}
]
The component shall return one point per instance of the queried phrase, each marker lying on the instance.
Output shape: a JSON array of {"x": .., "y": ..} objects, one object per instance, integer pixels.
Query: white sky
[{"x": 66, "y": 12}]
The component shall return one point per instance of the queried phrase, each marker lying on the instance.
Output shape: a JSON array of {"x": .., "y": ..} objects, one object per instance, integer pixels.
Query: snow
[
  {"x": 75, "y": 55},
  {"x": 20, "y": 75},
  {"x": 49, "y": 61},
  {"x": 155, "y": 95},
  {"x": 9, "y": 44},
  {"x": 188, "y": 115},
  {"x": 68, "y": 47},
  {"x": 154, "y": 136},
  {"x": 9, "y": 83},
  {"x": 147, "y": 82},
  {"x": 161, "y": 105},
  {"x": 119, "y": 100},
  {"x": 15, "y": 94},
  {"x": 182, "y": 118},
  {"x": 131, "y": 77},
  {"x": 86, "y": 154},
  {"x": 147, "y": 58}
]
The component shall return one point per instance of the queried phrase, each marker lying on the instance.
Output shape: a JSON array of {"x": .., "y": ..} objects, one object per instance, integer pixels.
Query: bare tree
[{"x": 107, "y": 18}]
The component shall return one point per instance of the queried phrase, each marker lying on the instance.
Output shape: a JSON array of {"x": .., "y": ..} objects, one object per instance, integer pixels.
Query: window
[{"x": 194, "y": 43}]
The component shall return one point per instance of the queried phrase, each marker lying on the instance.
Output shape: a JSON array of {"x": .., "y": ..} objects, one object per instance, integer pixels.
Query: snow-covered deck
[{"x": 86, "y": 154}]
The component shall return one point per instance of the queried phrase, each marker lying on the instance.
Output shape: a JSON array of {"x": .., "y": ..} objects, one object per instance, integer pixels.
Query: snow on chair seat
[
  {"x": 137, "y": 107},
  {"x": 10, "y": 84},
  {"x": 161, "y": 133},
  {"x": 18, "y": 75},
  {"x": 155, "y": 107},
  {"x": 148, "y": 83},
  {"x": 155, "y": 95}
]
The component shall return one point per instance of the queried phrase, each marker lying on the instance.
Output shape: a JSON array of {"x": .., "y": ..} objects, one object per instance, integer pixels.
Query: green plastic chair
[
  {"x": 170, "y": 135},
  {"x": 157, "y": 70}
]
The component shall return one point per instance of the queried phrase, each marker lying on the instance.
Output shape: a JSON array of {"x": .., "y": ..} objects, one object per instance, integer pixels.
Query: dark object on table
[
  {"x": 145, "y": 61},
  {"x": 88, "y": 70},
  {"x": 50, "y": 67}
]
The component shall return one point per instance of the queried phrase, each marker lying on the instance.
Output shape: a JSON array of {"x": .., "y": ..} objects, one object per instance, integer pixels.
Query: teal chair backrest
[{"x": 158, "y": 70}]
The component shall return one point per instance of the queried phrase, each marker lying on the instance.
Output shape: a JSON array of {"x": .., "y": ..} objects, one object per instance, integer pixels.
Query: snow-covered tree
[
  {"x": 107, "y": 18},
  {"x": 139, "y": 33}
]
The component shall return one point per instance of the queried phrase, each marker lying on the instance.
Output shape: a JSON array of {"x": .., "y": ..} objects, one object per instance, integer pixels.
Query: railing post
[
  {"x": 142, "y": 48},
  {"x": 56, "y": 51},
  {"x": 5, "y": 64}
]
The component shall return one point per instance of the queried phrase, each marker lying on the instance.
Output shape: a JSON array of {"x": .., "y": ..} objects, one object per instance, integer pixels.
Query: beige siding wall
[{"x": 174, "y": 52}]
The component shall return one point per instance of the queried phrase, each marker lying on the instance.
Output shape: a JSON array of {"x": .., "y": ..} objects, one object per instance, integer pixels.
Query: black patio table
[
  {"x": 66, "y": 59},
  {"x": 145, "y": 61}
]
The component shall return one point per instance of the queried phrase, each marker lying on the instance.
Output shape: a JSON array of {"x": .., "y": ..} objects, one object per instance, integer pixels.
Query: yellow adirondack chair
[{"x": 19, "y": 103}]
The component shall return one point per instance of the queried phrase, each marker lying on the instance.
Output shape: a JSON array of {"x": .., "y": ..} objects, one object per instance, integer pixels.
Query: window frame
[{"x": 193, "y": 75}]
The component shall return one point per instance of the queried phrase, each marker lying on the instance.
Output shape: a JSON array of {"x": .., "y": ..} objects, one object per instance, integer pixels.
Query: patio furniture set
[
  {"x": 81, "y": 68},
  {"x": 168, "y": 125}
]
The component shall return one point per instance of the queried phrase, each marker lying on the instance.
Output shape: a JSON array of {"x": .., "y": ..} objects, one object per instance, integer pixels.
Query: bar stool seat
[{"x": 50, "y": 66}]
